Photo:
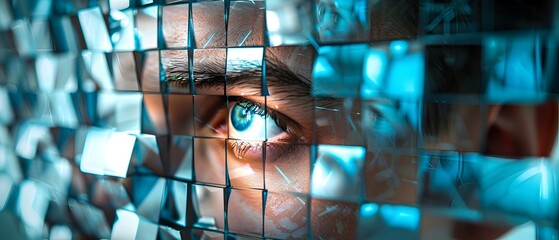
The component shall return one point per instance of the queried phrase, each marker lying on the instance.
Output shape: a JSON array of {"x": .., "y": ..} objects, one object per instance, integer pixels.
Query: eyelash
[
  {"x": 264, "y": 112},
  {"x": 240, "y": 148},
  {"x": 178, "y": 78}
]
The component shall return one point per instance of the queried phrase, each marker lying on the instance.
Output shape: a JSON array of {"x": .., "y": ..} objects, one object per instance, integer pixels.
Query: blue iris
[{"x": 241, "y": 117}]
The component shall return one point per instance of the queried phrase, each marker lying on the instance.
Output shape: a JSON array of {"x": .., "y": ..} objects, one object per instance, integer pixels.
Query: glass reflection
[{"x": 286, "y": 119}]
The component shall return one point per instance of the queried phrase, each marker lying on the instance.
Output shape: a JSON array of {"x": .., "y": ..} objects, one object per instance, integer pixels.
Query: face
[
  {"x": 162, "y": 120},
  {"x": 251, "y": 134},
  {"x": 254, "y": 122}
]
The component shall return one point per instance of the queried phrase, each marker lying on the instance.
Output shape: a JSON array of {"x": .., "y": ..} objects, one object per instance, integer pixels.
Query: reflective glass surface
[{"x": 279, "y": 119}]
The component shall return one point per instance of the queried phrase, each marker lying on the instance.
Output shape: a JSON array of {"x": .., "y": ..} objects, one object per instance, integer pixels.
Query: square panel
[
  {"x": 466, "y": 122},
  {"x": 209, "y": 24},
  {"x": 122, "y": 29},
  {"x": 181, "y": 154},
  {"x": 149, "y": 155},
  {"x": 502, "y": 180},
  {"x": 174, "y": 203},
  {"x": 124, "y": 71},
  {"x": 175, "y": 67},
  {"x": 338, "y": 121},
  {"x": 250, "y": 119},
  {"x": 209, "y": 161},
  {"x": 94, "y": 29},
  {"x": 287, "y": 168},
  {"x": 181, "y": 114},
  {"x": 289, "y": 23},
  {"x": 333, "y": 219},
  {"x": 210, "y": 116},
  {"x": 147, "y": 27},
  {"x": 286, "y": 216},
  {"x": 245, "y": 26},
  {"x": 209, "y": 67},
  {"x": 245, "y": 212},
  {"x": 394, "y": 19},
  {"x": 338, "y": 71},
  {"x": 391, "y": 124},
  {"x": 174, "y": 25},
  {"x": 451, "y": 17},
  {"x": 453, "y": 72},
  {"x": 245, "y": 163},
  {"x": 129, "y": 225},
  {"x": 148, "y": 68},
  {"x": 388, "y": 221},
  {"x": 146, "y": 193},
  {"x": 395, "y": 70},
  {"x": 95, "y": 73},
  {"x": 337, "y": 172},
  {"x": 42, "y": 30},
  {"x": 527, "y": 15},
  {"x": 154, "y": 117},
  {"x": 391, "y": 177},
  {"x": 505, "y": 81},
  {"x": 209, "y": 203},
  {"x": 244, "y": 71},
  {"x": 114, "y": 157},
  {"x": 342, "y": 21},
  {"x": 448, "y": 181}
]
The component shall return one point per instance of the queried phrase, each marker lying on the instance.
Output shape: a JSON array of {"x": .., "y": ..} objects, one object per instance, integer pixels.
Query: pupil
[{"x": 241, "y": 117}]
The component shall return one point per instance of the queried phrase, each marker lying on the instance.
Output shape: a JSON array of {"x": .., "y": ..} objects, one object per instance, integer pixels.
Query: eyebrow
[{"x": 272, "y": 72}]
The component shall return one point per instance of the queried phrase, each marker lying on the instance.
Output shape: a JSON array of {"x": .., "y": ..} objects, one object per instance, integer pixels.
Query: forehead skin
[
  {"x": 209, "y": 24},
  {"x": 245, "y": 25},
  {"x": 245, "y": 28}
]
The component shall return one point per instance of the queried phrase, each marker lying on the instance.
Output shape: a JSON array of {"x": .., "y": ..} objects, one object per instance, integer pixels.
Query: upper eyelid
[{"x": 292, "y": 126}]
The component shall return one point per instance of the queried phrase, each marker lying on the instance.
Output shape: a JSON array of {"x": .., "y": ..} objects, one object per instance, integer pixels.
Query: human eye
[
  {"x": 251, "y": 123},
  {"x": 250, "y": 120}
]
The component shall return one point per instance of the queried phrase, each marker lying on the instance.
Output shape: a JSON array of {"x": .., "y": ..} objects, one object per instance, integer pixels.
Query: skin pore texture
[{"x": 281, "y": 164}]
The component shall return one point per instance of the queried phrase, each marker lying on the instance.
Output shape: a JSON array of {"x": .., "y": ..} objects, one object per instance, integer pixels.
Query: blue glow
[
  {"x": 94, "y": 29},
  {"x": 151, "y": 11},
  {"x": 516, "y": 70},
  {"x": 107, "y": 152},
  {"x": 405, "y": 77},
  {"x": 412, "y": 111},
  {"x": 369, "y": 210},
  {"x": 322, "y": 68},
  {"x": 126, "y": 225},
  {"x": 398, "y": 48},
  {"x": 400, "y": 216},
  {"x": 375, "y": 65},
  {"x": 336, "y": 171},
  {"x": 239, "y": 59},
  {"x": 347, "y": 154},
  {"x": 520, "y": 187}
]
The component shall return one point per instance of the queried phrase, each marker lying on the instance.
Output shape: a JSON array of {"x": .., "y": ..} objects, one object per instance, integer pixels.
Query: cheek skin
[
  {"x": 289, "y": 172},
  {"x": 247, "y": 172},
  {"x": 245, "y": 204},
  {"x": 333, "y": 220},
  {"x": 286, "y": 214},
  {"x": 208, "y": 168}
]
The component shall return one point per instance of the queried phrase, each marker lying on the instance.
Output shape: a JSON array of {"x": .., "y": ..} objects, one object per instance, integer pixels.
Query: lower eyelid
[
  {"x": 249, "y": 151},
  {"x": 246, "y": 150}
]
